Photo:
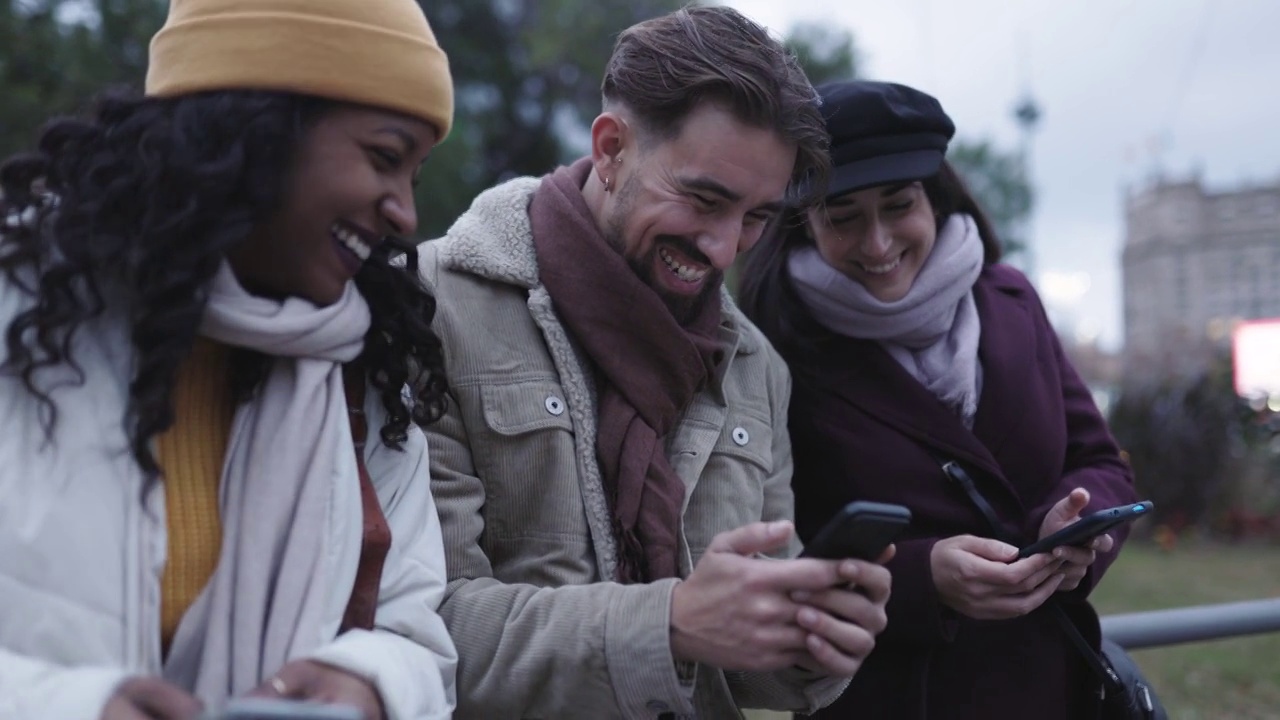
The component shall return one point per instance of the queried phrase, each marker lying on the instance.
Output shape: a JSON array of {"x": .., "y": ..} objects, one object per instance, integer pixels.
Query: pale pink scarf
[
  {"x": 932, "y": 332},
  {"x": 268, "y": 601}
]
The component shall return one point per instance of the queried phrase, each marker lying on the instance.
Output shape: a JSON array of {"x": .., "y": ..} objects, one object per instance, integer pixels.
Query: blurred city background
[{"x": 1127, "y": 149}]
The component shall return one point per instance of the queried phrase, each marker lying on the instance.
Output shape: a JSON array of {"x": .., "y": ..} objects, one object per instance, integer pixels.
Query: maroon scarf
[{"x": 649, "y": 369}]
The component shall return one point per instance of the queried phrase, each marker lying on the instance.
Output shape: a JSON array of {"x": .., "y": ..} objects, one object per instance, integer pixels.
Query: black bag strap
[{"x": 1110, "y": 680}]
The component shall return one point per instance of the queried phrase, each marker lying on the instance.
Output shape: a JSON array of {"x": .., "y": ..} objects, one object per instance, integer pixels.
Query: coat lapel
[
  {"x": 867, "y": 377},
  {"x": 1003, "y": 353}
]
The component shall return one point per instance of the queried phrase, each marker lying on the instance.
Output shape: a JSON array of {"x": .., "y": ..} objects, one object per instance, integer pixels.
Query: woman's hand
[
  {"x": 317, "y": 682},
  {"x": 150, "y": 698},
  {"x": 975, "y": 577},
  {"x": 1075, "y": 560}
]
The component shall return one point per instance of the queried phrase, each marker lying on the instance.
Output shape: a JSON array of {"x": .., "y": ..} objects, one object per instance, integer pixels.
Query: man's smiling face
[{"x": 685, "y": 207}]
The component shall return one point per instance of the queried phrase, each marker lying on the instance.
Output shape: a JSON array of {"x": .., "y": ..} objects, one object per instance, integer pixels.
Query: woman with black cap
[
  {"x": 203, "y": 319},
  {"x": 912, "y": 348}
]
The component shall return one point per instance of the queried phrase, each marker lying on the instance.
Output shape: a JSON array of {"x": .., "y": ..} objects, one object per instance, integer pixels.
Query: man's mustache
[{"x": 686, "y": 247}]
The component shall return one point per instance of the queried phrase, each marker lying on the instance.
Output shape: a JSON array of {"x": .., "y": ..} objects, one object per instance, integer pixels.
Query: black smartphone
[
  {"x": 861, "y": 530},
  {"x": 1088, "y": 527}
]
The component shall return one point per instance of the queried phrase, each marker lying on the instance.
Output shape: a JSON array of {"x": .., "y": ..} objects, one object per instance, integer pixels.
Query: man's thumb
[{"x": 748, "y": 540}]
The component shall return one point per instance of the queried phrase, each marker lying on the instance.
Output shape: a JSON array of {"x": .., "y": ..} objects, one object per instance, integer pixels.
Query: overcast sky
[{"x": 1126, "y": 88}]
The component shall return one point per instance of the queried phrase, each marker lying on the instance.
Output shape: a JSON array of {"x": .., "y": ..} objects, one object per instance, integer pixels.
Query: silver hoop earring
[{"x": 607, "y": 181}]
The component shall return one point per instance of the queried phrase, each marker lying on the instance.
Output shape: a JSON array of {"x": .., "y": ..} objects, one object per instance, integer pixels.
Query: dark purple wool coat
[{"x": 864, "y": 429}]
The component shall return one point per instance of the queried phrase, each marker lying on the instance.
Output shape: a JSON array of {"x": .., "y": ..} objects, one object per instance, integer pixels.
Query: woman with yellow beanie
[{"x": 204, "y": 316}]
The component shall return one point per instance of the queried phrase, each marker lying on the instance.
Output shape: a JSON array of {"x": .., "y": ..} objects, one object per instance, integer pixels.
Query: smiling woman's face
[
  {"x": 880, "y": 236},
  {"x": 351, "y": 184}
]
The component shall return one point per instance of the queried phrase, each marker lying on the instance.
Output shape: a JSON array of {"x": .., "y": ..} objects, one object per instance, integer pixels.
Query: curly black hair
[{"x": 134, "y": 210}]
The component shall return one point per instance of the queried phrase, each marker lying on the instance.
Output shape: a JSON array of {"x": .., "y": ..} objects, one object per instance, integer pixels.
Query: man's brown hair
[{"x": 663, "y": 68}]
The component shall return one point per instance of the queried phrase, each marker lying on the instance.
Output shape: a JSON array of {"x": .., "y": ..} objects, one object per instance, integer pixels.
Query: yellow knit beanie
[{"x": 373, "y": 52}]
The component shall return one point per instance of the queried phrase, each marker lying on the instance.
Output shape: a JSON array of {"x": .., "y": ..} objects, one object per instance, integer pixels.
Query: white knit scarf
[
  {"x": 933, "y": 331},
  {"x": 267, "y": 601}
]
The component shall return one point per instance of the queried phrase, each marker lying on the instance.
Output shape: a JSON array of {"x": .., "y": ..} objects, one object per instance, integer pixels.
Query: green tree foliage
[
  {"x": 999, "y": 181},
  {"x": 1179, "y": 435},
  {"x": 59, "y": 54},
  {"x": 527, "y": 78},
  {"x": 109, "y": 44},
  {"x": 1206, "y": 458},
  {"x": 826, "y": 53},
  {"x": 29, "y": 75}
]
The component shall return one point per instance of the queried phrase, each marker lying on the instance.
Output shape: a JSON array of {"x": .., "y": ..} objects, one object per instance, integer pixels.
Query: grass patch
[{"x": 1237, "y": 679}]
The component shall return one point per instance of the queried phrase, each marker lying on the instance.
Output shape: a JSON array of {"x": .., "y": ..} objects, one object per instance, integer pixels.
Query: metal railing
[{"x": 1157, "y": 628}]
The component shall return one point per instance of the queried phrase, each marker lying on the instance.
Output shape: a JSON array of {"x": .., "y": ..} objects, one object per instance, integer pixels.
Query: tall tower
[{"x": 1027, "y": 114}]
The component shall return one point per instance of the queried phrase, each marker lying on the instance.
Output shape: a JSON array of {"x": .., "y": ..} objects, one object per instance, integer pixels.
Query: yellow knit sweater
[{"x": 191, "y": 455}]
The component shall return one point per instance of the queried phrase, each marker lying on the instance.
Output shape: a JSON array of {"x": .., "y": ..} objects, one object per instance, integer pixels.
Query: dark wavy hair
[
  {"x": 764, "y": 290},
  {"x": 133, "y": 210},
  {"x": 662, "y": 69}
]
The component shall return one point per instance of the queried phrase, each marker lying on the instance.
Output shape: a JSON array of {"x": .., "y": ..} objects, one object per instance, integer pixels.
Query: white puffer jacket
[{"x": 82, "y": 550}]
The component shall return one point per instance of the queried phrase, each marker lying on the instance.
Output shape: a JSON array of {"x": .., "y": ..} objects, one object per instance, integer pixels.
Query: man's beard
[{"x": 683, "y": 307}]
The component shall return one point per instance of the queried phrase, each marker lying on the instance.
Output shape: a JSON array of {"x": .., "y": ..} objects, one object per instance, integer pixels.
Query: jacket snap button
[
  {"x": 555, "y": 405},
  {"x": 740, "y": 436}
]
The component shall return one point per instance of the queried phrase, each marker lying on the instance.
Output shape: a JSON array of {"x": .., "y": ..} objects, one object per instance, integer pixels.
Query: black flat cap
[{"x": 882, "y": 133}]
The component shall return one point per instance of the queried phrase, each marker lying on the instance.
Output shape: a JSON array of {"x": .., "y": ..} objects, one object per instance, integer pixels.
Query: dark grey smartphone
[
  {"x": 1088, "y": 527},
  {"x": 861, "y": 530}
]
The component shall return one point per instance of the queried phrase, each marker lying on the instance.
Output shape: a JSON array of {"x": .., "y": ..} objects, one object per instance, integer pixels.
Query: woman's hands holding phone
[
  {"x": 318, "y": 682},
  {"x": 150, "y": 698},
  {"x": 978, "y": 577},
  {"x": 1075, "y": 560}
]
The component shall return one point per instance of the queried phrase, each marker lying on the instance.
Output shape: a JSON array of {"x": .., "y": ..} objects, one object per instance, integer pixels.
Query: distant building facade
[{"x": 1195, "y": 263}]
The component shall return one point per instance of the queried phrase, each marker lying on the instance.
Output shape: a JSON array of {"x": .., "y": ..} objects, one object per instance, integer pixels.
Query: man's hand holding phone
[
  {"x": 854, "y": 608},
  {"x": 740, "y": 611}
]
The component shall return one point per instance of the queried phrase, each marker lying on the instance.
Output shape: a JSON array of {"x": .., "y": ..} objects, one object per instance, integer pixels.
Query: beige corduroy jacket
[{"x": 541, "y": 629}]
